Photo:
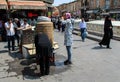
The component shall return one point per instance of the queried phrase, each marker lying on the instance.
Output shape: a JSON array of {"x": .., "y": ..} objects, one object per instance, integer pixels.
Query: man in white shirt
[
  {"x": 24, "y": 25},
  {"x": 83, "y": 29},
  {"x": 10, "y": 34}
]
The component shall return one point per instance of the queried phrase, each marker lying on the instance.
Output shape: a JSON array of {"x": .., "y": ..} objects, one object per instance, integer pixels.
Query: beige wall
[
  {"x": 70, "y": 7},
  {"x": 93, "y": 5}
]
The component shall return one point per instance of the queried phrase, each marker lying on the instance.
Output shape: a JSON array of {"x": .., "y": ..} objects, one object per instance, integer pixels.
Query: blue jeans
[
  {"x": 11, "y": 39},
  {"x": 69, "y": 53},
  {"x": 83, "y": 35}
]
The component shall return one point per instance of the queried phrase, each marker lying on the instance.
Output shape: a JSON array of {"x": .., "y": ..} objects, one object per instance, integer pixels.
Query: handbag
[
  {"x": 86, "y": 33},
  {"x": 111, "y": 33}
]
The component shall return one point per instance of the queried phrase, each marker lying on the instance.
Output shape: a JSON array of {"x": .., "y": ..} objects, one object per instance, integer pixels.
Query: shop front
[
  {"x": 115, "y": 14},
  {"x": 3, "y": 19},
  {"x": 92, "y": 14},
  {"x": 3, "y": 9},
  {"x": 27, "y": 9}
]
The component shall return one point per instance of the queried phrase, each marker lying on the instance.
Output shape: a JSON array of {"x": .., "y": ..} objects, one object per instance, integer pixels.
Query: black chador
[
  {"x": 43, "y": 52},
  {"x": 108, "y": 32}
]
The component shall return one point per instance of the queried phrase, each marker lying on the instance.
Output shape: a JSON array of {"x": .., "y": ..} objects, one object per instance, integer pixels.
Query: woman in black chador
[
  {"x": 108, "y": 33},
  {"x": 43, "y": 52}
]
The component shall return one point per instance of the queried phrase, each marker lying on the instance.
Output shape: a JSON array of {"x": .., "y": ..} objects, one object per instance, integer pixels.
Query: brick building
[{"x": 92, "y": 8}]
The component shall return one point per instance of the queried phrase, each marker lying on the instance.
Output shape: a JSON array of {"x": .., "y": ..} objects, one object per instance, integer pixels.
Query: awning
[
  {"x": 27, "y": 5},
  {"x": 49, "y": 5},
  {"x": 3, "y": 4}
]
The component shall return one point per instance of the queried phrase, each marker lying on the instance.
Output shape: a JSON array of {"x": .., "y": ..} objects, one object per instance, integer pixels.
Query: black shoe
[
  {"x": 100, "y": 44},
  {"x": 67, "y": 62},
  {"x": 13, "y": 49},
  {"x": 42, "y": 74},
  {"x": 46, "y": 73},
  {"x": 108, "y": 47},
  {"x": 83, "y": 40},
  {"x": 70, "y": 62},
  {"x": 9, "y": 49}
]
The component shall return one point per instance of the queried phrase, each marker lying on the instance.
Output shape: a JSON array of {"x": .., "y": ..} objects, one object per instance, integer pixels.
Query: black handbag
[{"x": 111, "y": 33}]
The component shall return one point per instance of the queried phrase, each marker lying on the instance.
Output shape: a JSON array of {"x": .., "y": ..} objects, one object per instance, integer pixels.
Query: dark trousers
[
  {"x": 11, "y": 39},
  {"x": 17, "y": 37},
  {"x": 69, "y": 52},
  {"x": 59, "y": 27},
  {"x": 42, "y": 55},
  {"x": 63, "y": 28},
  {"x": 44, "y": 65}
]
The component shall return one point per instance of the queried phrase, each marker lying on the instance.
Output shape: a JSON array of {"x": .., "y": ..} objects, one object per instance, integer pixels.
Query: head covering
[
  {"x": 107, "y": 17},
  {"x": 68, "y": 15}
]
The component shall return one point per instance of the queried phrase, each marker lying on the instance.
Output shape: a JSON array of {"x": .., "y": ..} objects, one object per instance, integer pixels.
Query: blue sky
[{"x": 58, "y": 2}]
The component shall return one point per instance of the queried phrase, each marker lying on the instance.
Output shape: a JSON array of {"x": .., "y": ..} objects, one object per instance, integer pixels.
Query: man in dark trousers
[
  {"x": 17, "y": 32},
  {"x": 10, "y": 34},
  {"x": 43, "y": 52}
]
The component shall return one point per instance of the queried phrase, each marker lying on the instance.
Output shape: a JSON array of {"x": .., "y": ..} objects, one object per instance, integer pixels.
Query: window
[
  {"x": 107, "y": 4},
  {"x": 116, "y": 2},
  {"x": 91, "y": 3},
  {"x": 98, "y": 3}
]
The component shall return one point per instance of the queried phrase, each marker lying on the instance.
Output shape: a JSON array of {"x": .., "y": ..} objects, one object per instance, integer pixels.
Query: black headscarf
[{"x": 107, "y": 23}]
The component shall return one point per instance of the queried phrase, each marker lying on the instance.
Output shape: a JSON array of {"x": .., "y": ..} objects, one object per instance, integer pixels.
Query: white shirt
[
  {"x": 82, "y": 24},
  {"x": 15, "y": 25},
  {"x": 24, "y": 25},
  {"x": 11, "y": 31}
]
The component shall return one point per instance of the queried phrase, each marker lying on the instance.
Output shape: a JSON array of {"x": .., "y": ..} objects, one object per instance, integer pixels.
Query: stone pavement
[{"x": 90, "y": 64}]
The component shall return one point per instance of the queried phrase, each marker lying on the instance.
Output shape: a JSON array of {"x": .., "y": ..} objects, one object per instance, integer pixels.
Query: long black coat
[
  {"x": 108, "y": 33},
  {"x": 43, "y": 45}
]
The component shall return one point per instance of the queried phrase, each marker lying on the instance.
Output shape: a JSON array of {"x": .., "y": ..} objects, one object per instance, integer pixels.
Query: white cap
[{"x": 16, "y": 19}]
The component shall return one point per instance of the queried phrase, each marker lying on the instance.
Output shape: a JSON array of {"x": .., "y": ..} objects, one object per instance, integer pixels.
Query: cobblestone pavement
[{"x": 90, "y": 63}]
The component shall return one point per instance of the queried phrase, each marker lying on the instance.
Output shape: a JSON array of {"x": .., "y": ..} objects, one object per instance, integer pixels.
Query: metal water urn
[{"x": 45, "y": 25}]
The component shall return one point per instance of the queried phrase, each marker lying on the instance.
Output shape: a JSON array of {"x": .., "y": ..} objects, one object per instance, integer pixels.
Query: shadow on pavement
[
  {"x": 16, "y": 55},
  {"x": 28, "y": 61},
  {"x": 77, "y": 40},
  {"x": 30, "y": 70},
  {"x": 3, "y": 51},
  {"x": 98, "y": 47}
]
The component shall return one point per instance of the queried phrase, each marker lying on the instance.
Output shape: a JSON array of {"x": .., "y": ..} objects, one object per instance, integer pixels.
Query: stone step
[
  {"x": 89, "y": 36},
  {"x": 93, "y": 34}
]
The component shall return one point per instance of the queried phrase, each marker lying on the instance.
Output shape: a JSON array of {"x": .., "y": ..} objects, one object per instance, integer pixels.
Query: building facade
[{"x": 92, "y": 8}]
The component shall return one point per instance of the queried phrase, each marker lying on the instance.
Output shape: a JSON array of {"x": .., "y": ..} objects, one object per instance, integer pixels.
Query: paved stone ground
[{"x": 90, "y": 64}]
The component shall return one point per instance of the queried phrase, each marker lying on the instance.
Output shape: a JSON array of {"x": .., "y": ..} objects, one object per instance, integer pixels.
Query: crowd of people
[
  {"x": 12, "y": 29},
  {"x": 64, "y": 24}
]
